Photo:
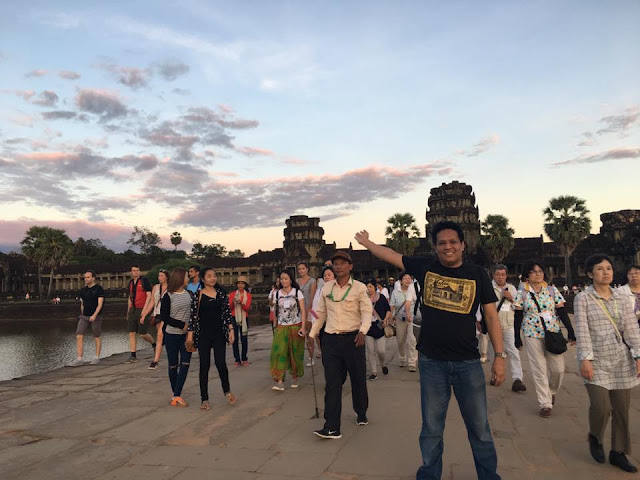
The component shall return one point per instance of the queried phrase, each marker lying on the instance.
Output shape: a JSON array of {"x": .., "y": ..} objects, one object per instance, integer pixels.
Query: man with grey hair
[{"x": 506, "y": 294}]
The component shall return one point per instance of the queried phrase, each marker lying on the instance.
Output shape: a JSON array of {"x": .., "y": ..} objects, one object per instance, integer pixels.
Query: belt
[{"x": 353, "y": 332}]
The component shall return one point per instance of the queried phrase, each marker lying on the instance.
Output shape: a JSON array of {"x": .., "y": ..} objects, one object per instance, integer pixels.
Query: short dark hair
[
  {"x": 302, "y": 262},
  {"x": 135, "y": 266},
  {"x": 594, "y": 260},
  {"x": 92, "y": 272},
  {"x": 499, "y": 266},
  {"x": 446, "y": 225},
  {"x": 195, "y": 267},
  {"x": 402, "y": 274},
  {"x": 631, "y": 267},
  {"x": 529, "y": 265},
  {"x": 204, "y": 271},
  {"x": 328, "y": 267},
  {"x": 371, "y": 281}
]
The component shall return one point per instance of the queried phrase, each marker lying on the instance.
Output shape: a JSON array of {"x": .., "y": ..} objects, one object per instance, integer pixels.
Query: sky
[{"x": 222, "y": 119}]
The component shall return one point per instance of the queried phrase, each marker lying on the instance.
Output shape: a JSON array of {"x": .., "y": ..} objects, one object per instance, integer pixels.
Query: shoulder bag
[{"x": 554, "y": 342}]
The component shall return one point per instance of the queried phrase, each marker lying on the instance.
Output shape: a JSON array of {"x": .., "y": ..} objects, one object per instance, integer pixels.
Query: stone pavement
[{"x": 113, "y": 421}]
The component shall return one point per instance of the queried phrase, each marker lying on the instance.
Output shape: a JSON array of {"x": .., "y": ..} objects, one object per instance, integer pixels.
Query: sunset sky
[{"x": 222, "y": 119}]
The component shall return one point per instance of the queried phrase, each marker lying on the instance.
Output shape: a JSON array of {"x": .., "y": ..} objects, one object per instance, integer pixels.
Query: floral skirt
[{"x": 287, "y": 352}]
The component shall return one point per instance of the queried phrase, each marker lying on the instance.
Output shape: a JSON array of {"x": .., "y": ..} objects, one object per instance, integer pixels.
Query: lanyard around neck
[{"x": 330, "y": 296}]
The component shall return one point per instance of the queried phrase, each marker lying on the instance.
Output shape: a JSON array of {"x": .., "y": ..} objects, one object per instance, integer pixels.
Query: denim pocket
[{"x": 475, "y": 360}]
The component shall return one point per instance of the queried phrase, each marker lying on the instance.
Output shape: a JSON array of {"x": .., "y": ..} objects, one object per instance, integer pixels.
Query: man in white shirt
[{"x": 506, "y": 294}]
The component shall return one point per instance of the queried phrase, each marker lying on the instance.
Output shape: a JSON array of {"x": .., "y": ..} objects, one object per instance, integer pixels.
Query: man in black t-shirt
[
  {"x": 451, "y": 293},
  {"x": 91, "y": 303}
]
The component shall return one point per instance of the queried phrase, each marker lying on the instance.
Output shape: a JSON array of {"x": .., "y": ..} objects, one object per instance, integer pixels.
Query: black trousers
[
  {"x": 240, "y": 339},
  {"x": 339, "y": 357},
  {"x": 218, "y": 344}
]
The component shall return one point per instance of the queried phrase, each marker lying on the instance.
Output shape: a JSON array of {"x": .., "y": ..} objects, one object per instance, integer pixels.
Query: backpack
[{"x": 277, "y": 303}]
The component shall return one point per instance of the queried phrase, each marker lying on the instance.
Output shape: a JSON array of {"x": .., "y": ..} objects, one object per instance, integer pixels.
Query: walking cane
[{"x": 313, "y": 378}]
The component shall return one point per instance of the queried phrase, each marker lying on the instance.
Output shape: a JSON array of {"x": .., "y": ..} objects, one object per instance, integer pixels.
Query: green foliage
[
  {"x": 236, "y": 254},
  {"x": 47, "y": 247},
  {"x": 567, "y": 224},
  {"x": 176, "y": 239},
  {"x": 497, "y": 237},
  {"x": 144, "y": 239},
  {"x": 402, "y": 233},
  {"x": 168, "y": 265},
  {"x": 200, "y": 251}
]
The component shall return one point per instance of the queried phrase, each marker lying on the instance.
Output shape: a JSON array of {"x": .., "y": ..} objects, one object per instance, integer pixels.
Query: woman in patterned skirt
[
  {"x": 608, "y": 341},
  {"x": 287, "y": 351}
]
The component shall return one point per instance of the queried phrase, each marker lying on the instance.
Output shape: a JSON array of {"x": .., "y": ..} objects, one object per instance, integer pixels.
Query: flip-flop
[
  {"x": 178, "y": 402},
  {"x": 205, "y": 405},
  {"x": 230, "y": 397}
]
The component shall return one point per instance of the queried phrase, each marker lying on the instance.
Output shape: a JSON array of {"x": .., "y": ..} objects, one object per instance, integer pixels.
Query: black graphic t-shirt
[{"x": 450, "y": 299}]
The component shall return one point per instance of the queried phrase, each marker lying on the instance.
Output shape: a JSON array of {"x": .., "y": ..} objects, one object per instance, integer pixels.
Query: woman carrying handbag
[{"x": 537, "y": 308}]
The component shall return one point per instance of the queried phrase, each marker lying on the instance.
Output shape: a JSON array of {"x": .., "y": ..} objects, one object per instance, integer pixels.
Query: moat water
[{"x": 35, "y": 346}]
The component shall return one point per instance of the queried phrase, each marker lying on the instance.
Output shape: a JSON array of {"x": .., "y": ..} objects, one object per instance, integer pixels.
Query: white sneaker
[
  {"x": 95, "y": 361},
  {"x": 77, "y": 363},
  {"x": 310, "y": 363}
]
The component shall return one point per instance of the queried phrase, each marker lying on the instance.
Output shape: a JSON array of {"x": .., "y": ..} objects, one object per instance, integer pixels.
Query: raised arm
[{"x": 383, "y": 253}]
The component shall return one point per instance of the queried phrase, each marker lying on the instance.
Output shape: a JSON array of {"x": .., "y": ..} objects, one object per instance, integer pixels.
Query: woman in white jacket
[{"x": 631, "y": 291}]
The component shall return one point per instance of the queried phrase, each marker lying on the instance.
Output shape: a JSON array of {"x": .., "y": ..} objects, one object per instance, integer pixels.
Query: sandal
[
  {"x": 318, "y": 355},
  {"x": 178, "y": 402},
  {"x": 277, "y": 388},
  {"x": 205, "y": 405},
  {"x": 230, "y": 397}
]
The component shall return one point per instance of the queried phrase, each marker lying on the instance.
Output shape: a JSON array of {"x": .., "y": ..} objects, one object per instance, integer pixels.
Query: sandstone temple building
[{"x": 619, "y": 237}]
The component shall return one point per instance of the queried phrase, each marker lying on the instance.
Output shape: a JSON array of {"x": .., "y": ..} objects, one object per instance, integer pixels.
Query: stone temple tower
[
  {"x": 302, "y": 238},
  {"x": 455, "y": 202}
]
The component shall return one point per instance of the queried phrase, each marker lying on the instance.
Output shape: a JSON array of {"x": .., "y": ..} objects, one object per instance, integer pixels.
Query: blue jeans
[
  {"x": 468, "y": 382},
  {"x": 175, "y": 345}
]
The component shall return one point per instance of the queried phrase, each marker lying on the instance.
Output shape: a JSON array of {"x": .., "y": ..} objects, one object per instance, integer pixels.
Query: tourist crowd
[{"x": 467, "y": 316}]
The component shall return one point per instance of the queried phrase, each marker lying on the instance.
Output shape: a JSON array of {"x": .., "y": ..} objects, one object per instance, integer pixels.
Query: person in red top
[
  {"x": 139, "y": 295},
  {"x": 240, "y": 303}
]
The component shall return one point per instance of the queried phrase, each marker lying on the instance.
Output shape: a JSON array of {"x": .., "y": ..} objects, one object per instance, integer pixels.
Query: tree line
[
  {"x": 565, "y": 222},
  {"x": 51, "y": 248}
]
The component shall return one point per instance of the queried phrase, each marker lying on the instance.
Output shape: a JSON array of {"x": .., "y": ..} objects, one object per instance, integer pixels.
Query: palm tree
[
  {"x": 176, "y": 239},
  {"x": 402, "y": 233},
  {"x": 567, "y": 224},
  {"x": 497, "y": 237},
  {"x": 47, "y": 247}
]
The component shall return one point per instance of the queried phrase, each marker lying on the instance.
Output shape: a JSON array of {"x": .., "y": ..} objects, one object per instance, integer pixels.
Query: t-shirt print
[{"x": 454, "y": 295}]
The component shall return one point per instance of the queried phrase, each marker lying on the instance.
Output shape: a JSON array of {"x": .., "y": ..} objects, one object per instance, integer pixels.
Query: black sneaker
[
  {"x": 132, "y": 359},
  {"x": 385, "y": 371},
  {"x": 326, "y": 433},
  {"x": 153, "y": 365},
  {"x": 362, "y": 420},
  {"x": 518, "y": 386},
  {"x": 373, "y": 377}
]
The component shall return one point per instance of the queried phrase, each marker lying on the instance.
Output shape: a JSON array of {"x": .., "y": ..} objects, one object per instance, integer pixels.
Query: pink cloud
[
  {"x": 252, "y": 152},
  {"x": 36, "y": 73}
]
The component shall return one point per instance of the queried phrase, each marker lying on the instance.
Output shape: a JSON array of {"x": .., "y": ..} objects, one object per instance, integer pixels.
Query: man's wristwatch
[{"x": 501, "y": 355}]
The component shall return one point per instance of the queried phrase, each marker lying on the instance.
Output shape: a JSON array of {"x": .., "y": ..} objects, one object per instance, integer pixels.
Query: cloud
[
  {"x": 47, "y": 98},
  {"x": 266, "y": 202},
  {"x": 172, "y": 69},
  {"x": 59, "y": 115},
  {"x": 63, "y": 20},
  {"x": 588, "y": 141},
  {"x": 482, "y": 146},
  {"x": 165, "y": 135},
  {"x": 180, "y": 91},
  {"x": 101, "y": 102},
  {"x": 114, "y": 236},
  {"x": 24, "y": 94},
  {"x": 132, "y": 77},
  {"x": 620, "y": 123},
  {"x": 612, "y": 154},
  {"x": 252, "y": 152},
  {"x": 167, "y": 36},
  {"x": 68, "y": 75},
  {"x": 224, "y": 118},
  {"x": 36, "y": 73}
]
